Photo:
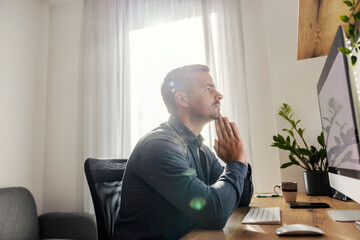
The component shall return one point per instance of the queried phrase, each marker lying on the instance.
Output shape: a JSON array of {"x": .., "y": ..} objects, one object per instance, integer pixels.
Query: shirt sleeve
[
  {"x": 164, "y": 166},
  {"x": 216, "y": 170},
  {"x": 248, "y": 189}
]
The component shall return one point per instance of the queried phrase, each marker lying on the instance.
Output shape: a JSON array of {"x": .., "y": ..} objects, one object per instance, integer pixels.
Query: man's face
[{"x": 204, "y": 101}]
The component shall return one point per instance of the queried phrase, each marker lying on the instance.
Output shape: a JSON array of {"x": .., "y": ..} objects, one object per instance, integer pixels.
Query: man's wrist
[
  {"x": 242, "y": 159},
  {"x": 244, "y": 162},
  {"x": 237, "y": 166}
]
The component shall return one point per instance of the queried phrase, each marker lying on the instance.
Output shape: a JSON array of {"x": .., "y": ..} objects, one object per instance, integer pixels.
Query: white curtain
[
  {"x": 105, "y": 80},
  {"x": 106, "y": 65},
  {"x": 105, "y": 83}
]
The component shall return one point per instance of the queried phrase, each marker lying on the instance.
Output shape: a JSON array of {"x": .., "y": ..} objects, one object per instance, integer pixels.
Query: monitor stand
[
  {"x": 345, "y": 215},
  {"x": 338, "y": 195}
]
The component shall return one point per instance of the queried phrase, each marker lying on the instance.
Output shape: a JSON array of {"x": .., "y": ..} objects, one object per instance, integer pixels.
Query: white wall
[
  {"x": 62, "y": 169},
  {"x": 274, "y": 76},
  {"x": 23, "y": 66},
  {"x": 293, "y": 82},
  {"x": 39, "y": 93}
]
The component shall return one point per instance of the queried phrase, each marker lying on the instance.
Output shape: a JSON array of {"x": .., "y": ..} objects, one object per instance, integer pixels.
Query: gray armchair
[{"x": 19, "y": 219}]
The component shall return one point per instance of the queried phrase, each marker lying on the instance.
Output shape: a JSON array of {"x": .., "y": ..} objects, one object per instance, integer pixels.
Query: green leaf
[
  {"x": 283, "y": 147},
  {"x": 301, "y": 131},
  {"x": 304, "y": 151},
  {"x": 349, "y": 3},
  {"x": 344, "y": 50},
  {"x": 280, "y": 146},
  {"x": 356, "y": 31},
  {"x": 357, "y": 15},
  {"x": 344, "y": 18},
  {"x": 313, "y": 149},
  {"x": 321, "y": 140},
  {"x": 275, "y": 145},
  {"x": 288, "y": 141},
  {"x": 313, "y": 159},
  {"x": 292, "y": 123},
  {"x": 281, "y": 138},
  {"x": 323, "y": 154},
  {"x": 291, "y": 133},
  {"x": 285, "y": 165},
  {"x": 350, "y": 30},
  {"x": 353, "y": 60},
  {"x": 293, "y": 160}
]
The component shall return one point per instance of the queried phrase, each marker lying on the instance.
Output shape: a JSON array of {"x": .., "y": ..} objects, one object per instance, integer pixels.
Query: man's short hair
[{"x": 176, "y": 80}]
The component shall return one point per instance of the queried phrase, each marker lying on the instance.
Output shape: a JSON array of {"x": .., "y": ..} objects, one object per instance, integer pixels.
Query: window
[{"x": 154, "y": 51}]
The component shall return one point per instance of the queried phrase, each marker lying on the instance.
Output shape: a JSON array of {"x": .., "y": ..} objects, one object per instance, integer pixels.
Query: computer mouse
[{"x": 298, "y": 229}]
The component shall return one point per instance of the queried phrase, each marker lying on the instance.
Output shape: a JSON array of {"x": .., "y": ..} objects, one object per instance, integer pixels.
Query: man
[{"x": 174, "y": 183}]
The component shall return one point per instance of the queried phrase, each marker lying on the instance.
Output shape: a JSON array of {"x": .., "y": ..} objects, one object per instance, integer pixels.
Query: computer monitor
[{"x": 338, "y": 96}]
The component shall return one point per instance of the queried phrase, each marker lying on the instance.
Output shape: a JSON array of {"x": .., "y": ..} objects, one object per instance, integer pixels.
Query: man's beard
[{"x": 216, "y": 115}]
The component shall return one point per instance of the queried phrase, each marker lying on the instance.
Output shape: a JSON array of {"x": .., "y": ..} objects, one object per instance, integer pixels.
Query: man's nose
[{"x": 219, "y": 96}]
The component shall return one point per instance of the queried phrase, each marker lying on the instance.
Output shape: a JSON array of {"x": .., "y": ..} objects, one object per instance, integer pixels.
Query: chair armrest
[{"x": 79, "y": 226}]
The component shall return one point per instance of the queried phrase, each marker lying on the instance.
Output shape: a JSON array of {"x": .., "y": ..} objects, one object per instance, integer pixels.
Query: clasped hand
[{"x": 229, "y": 146}]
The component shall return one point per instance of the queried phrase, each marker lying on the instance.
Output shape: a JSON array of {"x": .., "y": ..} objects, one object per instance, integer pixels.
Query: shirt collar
[{"x": 184, "y": 132}]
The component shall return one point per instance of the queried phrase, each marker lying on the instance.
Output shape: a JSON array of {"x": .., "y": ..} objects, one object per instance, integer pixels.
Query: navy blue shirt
[{"x": 174, "y": 183}]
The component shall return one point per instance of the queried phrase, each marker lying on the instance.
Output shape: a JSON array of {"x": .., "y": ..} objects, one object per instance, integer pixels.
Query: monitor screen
[{"x": 339, "y": 120}]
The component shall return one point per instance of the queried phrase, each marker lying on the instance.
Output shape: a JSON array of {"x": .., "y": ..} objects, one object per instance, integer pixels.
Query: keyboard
[{"x": 263, "y": 216}]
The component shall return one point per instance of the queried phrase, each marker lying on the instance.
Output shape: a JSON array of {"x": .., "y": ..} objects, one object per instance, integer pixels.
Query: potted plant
[
  {"x": 352, "y": 30},
  {"x": 311, "y": 159}
]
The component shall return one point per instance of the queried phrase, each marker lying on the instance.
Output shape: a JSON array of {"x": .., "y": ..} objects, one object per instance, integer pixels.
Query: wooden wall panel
[{"x": 317, "y": 25}]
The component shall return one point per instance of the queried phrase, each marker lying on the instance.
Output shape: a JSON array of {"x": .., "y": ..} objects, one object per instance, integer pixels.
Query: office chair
[{"x": 104, "y": 177}]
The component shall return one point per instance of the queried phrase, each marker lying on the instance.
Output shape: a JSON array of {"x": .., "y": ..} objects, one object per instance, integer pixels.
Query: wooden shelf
[{"x": 317, "y": 25}]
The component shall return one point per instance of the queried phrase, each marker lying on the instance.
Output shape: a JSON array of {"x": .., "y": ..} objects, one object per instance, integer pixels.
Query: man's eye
[{"x": 207, "y": 89}]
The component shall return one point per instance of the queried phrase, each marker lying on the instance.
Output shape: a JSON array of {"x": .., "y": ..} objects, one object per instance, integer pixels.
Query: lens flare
[
  {"x": 197, "y": 203},
  {"x": 189, "y": 172}
]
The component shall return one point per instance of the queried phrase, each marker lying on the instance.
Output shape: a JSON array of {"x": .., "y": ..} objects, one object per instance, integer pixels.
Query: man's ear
[{"x": 181, "y": 99}]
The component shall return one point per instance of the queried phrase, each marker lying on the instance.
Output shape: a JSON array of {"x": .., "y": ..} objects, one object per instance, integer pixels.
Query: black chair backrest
[{"x": 104, "y": 177}]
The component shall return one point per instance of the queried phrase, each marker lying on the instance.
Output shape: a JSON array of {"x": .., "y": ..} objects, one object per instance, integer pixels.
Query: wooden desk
[{"x": 316, "y": 217}]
